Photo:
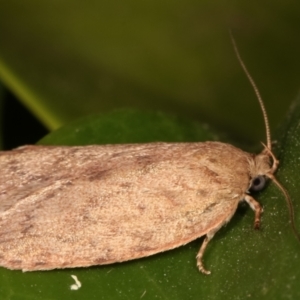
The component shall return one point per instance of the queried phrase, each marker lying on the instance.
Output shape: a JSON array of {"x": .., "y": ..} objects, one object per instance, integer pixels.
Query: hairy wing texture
[{"x": 79, "y": 206}]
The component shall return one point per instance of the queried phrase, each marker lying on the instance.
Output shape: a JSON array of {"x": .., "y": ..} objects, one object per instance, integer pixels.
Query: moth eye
[{"x": 258, "y": 183}]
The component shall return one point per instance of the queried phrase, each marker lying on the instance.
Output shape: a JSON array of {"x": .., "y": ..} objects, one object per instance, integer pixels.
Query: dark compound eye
[{"x": 258, "y": 183}]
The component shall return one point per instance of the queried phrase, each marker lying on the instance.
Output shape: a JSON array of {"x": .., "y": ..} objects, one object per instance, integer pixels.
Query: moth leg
[
  {"x": 256, "y": 207},
  {"x": 200, "y": 254}
]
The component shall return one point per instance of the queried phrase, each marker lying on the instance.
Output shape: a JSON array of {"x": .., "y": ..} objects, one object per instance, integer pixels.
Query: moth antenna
[
  {"x": 290, "y": 205},
  {"x": 257, "y": 93}
]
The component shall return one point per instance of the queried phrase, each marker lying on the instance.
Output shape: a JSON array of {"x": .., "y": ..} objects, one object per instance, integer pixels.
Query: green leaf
[{"x": 245, "y": 263}]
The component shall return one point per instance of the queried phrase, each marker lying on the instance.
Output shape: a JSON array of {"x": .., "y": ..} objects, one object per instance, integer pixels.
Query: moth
[{"x": 66, "y": 207}]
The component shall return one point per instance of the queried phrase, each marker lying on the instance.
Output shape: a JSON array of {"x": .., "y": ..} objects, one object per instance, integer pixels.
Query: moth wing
[{"x": 80, "y": 206}]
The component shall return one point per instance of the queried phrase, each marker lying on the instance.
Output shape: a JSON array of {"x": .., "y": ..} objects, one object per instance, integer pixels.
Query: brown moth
[{"x": 65, "y": 207}]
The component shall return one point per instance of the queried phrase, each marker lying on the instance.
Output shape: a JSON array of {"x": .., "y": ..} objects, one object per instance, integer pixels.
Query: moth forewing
[{"x": 148, "y": 198}]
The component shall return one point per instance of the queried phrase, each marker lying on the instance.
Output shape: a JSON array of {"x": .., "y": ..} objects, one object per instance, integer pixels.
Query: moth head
[{"x": 263, "y": 166}]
